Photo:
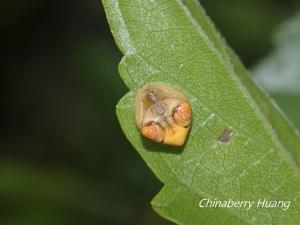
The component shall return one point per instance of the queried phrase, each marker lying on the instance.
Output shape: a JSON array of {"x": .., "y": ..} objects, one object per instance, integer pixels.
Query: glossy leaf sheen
[{"x": 175, "y": 43}]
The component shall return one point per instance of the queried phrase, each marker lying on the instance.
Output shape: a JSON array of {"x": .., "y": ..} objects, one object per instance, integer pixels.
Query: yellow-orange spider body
[{"x": 163, "y": 114}]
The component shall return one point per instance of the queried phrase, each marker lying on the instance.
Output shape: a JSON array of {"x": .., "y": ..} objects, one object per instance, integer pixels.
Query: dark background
[{"x": 64, "y": 159}]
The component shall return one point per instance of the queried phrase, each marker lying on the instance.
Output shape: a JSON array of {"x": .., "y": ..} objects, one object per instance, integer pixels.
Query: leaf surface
[{"x": 174, "y": 42}]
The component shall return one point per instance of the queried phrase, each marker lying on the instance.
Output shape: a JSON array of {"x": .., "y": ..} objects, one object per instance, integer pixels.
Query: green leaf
[
  {"x": 174, "y": 42},
  {"x": 279, "y": 73}
]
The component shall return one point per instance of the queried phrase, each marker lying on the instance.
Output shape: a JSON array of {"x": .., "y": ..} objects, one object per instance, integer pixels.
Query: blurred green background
[{"x": 64, "y": 159}]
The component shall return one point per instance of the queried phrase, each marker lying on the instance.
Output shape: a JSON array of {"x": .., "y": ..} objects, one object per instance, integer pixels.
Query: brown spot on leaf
[{"x": 226, "y": 135}]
